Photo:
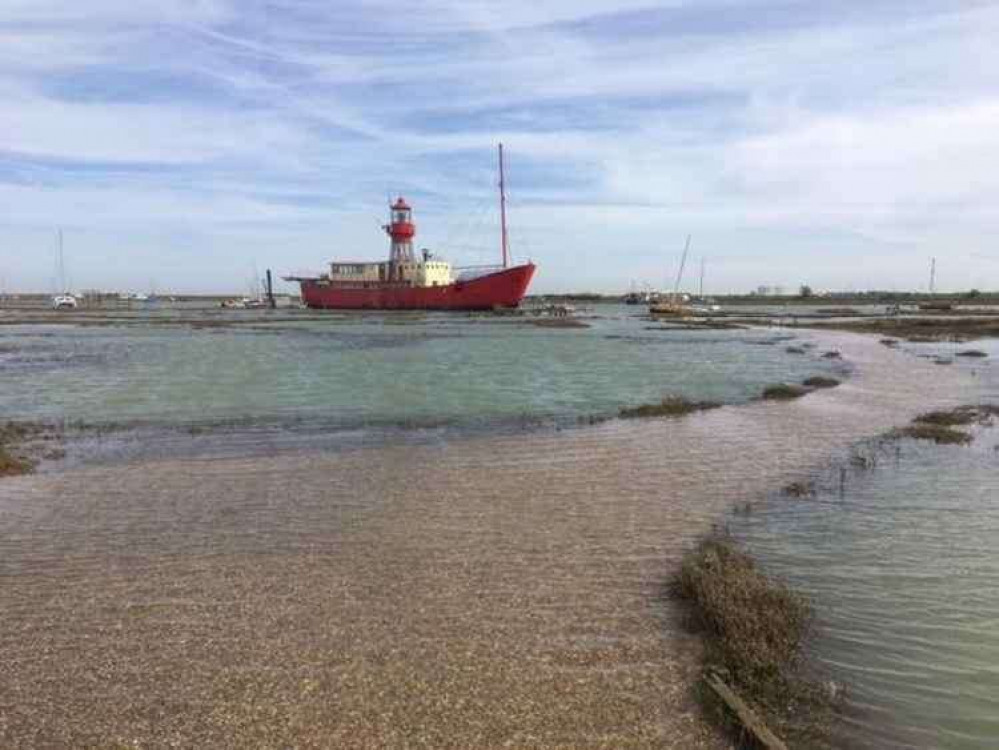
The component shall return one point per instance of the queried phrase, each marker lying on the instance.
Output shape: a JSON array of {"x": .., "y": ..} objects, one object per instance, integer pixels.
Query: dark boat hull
[{"x": 502, "y": 289}]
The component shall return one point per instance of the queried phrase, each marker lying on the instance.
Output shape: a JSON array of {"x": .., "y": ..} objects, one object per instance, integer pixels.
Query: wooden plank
[{"x": 753, "y": 724}]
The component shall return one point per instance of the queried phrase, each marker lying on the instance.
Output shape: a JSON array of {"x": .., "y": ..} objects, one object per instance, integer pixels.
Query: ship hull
[{"x": 502, "y": 289}]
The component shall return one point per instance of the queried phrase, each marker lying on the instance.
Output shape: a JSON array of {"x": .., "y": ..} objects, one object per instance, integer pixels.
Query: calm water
[
  {"x": 347, "y": 372},
  {"x": 903, "y": 568}
]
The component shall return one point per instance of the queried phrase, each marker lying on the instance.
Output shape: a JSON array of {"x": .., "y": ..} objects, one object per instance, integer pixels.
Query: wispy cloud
[{"x": 787, "y": 136}]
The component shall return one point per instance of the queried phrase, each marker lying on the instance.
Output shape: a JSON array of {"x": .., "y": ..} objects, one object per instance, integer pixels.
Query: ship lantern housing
[{"x": 402, "y": 231}]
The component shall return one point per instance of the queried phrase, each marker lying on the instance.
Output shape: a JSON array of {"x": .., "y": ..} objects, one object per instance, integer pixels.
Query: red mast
[{"x": 502, "y": 186}]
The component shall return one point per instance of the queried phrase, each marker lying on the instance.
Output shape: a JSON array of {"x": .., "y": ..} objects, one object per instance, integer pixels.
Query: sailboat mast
[
  {"x": 700, "y": 289},
  {"x": 502, "y": 187},
  {"x": 61, "y": 268},
  {"x": 933, "y": 275},
  {"x": 679, "y": 275}
]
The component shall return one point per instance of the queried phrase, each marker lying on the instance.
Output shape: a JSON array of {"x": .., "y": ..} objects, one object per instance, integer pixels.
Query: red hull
[{"x": 501, "y": 289}]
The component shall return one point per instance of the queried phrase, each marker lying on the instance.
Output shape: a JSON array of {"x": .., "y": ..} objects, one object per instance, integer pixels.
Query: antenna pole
[
  {"x": 271, "y": 303},
  {"x": 502, "y": 187}
]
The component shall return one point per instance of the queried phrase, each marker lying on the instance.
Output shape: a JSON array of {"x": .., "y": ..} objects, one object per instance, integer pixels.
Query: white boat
[
  {"x": 675, "y": 304},
  {"x": 65, "y": 300}
]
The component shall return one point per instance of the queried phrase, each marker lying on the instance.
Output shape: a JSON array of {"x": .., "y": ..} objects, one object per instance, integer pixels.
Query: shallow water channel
[{"x": 902, "y": 564}]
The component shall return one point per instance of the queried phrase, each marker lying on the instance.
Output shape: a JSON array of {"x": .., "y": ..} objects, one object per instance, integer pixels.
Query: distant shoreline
[{"x": 971, "y": 298}]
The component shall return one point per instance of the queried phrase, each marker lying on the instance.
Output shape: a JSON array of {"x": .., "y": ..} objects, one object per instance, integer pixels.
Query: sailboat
[
  {"x": 63, "y": 300},
  {"x": 674, "y": 304},
  {"x": 702, "y": 305}
]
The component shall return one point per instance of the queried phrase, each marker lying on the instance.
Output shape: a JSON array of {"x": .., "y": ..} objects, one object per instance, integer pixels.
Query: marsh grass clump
[
  {"x": 962, "y": 415},
  {"x": 939, "y": 328},
  {"x": 820, "y": 381},
  {"x": 754, "y": 627},
  {"x": 938, "y": 426},
  {"x": 559, "y": 323},
  {"x": 13, "y": 435},
  {"x": 832, "y": 355},
  {"x": 974, "y": 353},
  {"x": 783, "y": 392},
  {"x": 939, "y": 434},
  {"x": 11, "y": 466},
  {"x": 890, "y": 343},
  {"x": 671, "y": 406},
  {"x": 799, "y": 489},
  {"x": 795, "y": 350}
]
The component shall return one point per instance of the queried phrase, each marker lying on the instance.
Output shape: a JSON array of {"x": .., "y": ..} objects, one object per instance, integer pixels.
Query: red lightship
[{"x": 425, "y": 282}]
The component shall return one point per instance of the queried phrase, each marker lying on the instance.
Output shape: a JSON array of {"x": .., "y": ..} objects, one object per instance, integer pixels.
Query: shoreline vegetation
[
  {"x": 941, "y": 426},
  {"x": 678, "y": 406},
  {"x": 755, "y": 627},
  {"x": 840, "y": 302},
  {"x": 671, "y": 406},
  {"x": 949, "y": 328},
  {"x": 23, "y": 445}
]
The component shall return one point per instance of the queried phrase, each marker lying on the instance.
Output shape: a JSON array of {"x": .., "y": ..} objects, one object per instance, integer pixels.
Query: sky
[{"x": 187, "y": 145}]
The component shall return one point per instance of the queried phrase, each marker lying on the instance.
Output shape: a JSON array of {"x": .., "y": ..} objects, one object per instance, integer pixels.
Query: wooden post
[{"x": 747, "y": 717}]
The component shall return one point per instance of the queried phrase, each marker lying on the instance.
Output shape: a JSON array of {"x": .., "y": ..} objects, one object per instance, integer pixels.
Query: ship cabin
[
  {"x": 428, "y": 271},
  {"x": 431, "y": 271},
  {"x": 355, "y": 273}
]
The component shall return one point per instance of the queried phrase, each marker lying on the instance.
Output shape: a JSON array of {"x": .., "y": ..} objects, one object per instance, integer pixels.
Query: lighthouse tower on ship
[
  {"x": 411, "y": 282},
  {"x": 402, "y": 230}
]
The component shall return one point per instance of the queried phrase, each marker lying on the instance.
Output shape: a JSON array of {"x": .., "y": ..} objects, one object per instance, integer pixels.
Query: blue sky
[{"x": 180, "y": 144}]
